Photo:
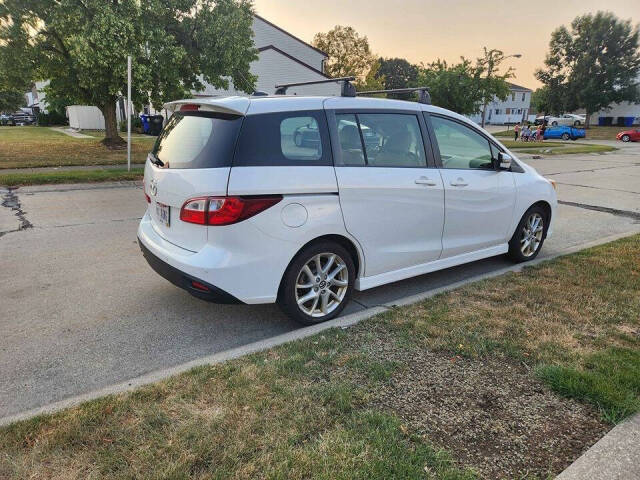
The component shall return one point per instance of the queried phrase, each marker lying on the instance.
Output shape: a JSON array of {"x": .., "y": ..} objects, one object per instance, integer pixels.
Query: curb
[{"x": 340, "y": 322}]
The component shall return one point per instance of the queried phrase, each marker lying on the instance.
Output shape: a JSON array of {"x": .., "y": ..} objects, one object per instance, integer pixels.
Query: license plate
[{"x": 163, "y": 213}]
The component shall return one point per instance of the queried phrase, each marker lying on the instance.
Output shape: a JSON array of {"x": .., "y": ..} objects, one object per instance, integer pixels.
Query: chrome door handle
[
  {"x": 459, "y": 182},
  {"x": 425, "y": 181}
]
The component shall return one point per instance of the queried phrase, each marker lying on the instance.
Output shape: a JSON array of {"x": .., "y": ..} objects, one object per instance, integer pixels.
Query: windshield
[{"x": 198, "y": 140}]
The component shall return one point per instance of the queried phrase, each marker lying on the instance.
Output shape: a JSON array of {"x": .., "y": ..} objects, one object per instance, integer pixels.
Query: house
[
  {"x": 516, "y": 107},
  {"x": 282, "y": 58}
]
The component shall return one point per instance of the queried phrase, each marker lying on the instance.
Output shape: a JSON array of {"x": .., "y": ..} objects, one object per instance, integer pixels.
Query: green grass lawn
[
  {"x": 70, "y": 176},
  {"x": 556, "y": 148},
  {"x": 423, "y": 391},
  {"x": 44, "y": 147}
]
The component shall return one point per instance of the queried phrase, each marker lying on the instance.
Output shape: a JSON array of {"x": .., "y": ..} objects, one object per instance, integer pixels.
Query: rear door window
[
  {"x": 284, "y": 139},
  {"x": 392, "y": 140},
  {"x": 198, "y": 140}
]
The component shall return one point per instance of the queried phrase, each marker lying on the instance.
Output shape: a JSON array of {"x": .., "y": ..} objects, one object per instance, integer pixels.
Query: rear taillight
[
  {"x": 194, "y": 210},
  {"x": 224, "y": 210}
]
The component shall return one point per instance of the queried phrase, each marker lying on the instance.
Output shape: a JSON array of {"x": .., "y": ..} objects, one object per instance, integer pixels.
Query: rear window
[
  {"x": 198, "y": 140},
  {"x": 284, "y": 139}
]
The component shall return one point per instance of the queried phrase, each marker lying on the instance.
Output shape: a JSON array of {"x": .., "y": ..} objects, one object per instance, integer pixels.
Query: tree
[
  {"x": 11, "y": 100},
  {"x": 494, "y": 85},
  {"x": 82, "y": 45},
  {"x": 594, "y": 63},
  {"x": 349, "y": 53},
  {"x": 397, "y": 73},
  {"x": 14, "y": 75},
  {"x": 372, "y": 81},
  {"x": 457, "y": 87},
  {"x": 546, "y": 100}
]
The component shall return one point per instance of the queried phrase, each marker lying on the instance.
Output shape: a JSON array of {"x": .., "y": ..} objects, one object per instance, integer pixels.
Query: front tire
[
  {"x": 566, "y": 136},
  {"x": 318, "y": 283},
  {"x": 626, "y": 138},
  {"x": 576, "y": 123},
  {"x": 554, "y": 123},
  {"x": 526, "y": 242}
]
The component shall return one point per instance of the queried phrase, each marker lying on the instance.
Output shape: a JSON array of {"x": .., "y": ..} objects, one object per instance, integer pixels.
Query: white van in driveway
[{"x": 301, "y": 200}]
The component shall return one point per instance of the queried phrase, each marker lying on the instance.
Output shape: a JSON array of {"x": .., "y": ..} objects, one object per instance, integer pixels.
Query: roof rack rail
[
  {"x": 423, "y": 96},
  {"x": 348, "y": 90}
]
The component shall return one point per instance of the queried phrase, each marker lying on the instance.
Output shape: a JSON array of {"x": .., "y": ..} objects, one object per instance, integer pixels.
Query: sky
[{"x": 424, "y": 30}]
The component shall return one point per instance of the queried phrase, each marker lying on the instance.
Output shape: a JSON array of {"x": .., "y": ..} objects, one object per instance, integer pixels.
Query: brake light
[
  {"x": 194, "y": 211},
  {"x": 189, "y": 107},
  {"x": 224, "y": 210}
]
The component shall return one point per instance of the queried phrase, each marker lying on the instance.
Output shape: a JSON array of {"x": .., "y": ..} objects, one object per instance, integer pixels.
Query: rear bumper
[{"x": 183, "y": 280}]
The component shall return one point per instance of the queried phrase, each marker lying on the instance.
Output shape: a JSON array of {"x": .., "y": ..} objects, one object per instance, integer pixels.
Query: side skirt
[{"x": 364, "y": 283}]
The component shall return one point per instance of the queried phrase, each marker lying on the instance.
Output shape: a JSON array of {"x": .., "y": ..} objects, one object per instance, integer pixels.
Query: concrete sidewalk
[{"x": 616, "y": 456}]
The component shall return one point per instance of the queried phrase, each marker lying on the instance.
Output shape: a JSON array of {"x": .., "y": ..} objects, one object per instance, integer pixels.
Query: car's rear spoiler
[{"x": 231, "y": 105}]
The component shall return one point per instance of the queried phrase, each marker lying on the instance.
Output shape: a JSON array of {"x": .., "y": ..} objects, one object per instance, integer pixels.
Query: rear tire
[
  {"x": 526, "y": 242},
  {"x": 576, "y": 123},
  {"x": 554, "y": 123},
  {"x": 322, "y": 273}
]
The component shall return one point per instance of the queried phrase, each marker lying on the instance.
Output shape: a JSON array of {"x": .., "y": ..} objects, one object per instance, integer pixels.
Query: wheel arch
[
  {"x": 546, "y": 206},
  {"x": 345, "y": 242}
]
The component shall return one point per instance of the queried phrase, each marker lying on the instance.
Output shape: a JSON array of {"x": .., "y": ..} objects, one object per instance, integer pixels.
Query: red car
[{"x": 632, "y": 135}]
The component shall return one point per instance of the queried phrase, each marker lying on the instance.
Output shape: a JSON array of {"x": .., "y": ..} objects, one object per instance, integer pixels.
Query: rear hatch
[{"x": 191, "y": 158}]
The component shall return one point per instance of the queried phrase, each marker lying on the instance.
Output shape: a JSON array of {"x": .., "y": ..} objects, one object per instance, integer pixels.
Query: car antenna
[
  {"x": 348, "y": 90},
  {"x": 423, "y": 96}
]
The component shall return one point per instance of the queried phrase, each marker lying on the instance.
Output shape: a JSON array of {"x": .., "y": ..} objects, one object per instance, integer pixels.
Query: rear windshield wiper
[{"x": 155, "y": 160}]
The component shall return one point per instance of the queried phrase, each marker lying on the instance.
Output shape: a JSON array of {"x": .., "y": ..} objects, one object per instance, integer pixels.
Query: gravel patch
[{"x": 493, "y": 415}]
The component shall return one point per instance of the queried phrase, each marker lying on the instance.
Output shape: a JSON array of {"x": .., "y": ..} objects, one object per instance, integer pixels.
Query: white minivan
[{"x": 300, "y": 200}]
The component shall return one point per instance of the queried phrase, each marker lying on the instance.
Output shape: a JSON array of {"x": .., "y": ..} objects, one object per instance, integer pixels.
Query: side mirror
[{"x": 504, "y": 161}]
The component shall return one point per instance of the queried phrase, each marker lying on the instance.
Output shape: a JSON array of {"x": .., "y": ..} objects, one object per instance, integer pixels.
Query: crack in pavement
[
  {"x": 612, "y": 211},
  {"x": 11, "y": 200}
]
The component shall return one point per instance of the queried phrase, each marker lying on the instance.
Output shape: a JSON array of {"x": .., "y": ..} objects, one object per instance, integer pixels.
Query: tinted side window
[
  {"x": 460, "y": 146},
  {"x": 284, "y": 139},
  {"x": 350, "y": 141},
  {"x": 392, "y": 140}
]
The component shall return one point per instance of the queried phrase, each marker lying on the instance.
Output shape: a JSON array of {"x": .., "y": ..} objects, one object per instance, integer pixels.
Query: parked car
[
  {"x": 564, "y": 133},
  {"x": 566, "y": 119},
  {"x": 631, "y": 135},
  {"x": 6, "y": 120},
  {"x": 240, "y": 213},
  {"x": 22, "y": 118}
]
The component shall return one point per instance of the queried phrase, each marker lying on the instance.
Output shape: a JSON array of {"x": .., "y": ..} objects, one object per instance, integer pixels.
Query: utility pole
[{"x": 129, "y": 113}]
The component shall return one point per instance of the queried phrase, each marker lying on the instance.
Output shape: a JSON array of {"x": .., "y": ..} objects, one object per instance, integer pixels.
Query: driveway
[{"x": 80, "y": 309}]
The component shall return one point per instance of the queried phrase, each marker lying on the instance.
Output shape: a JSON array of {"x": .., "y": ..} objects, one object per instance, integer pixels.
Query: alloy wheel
[
  {"x": 321, "y": 284},
  {"x": 531, "y": 235}
]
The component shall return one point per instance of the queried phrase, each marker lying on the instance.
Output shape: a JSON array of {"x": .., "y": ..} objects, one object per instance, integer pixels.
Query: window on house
[
  {"x": 498, "y": 111},
  {"x": 513, "y": 97},
  {"x": 524, "y": 95},
  {"x": 508, "y": 111}
]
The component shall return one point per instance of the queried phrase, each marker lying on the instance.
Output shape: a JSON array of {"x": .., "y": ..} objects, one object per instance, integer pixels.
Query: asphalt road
[{"x": 80, "y": 309}]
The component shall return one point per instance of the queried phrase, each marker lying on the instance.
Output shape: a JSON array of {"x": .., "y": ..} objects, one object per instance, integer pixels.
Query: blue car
[{"x": 564, "y": 132}]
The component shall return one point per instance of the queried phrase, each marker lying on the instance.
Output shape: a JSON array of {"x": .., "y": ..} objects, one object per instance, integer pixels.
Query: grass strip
[
  {"x": 342, "y": 404},
  {"x": 70, "y": 176}
]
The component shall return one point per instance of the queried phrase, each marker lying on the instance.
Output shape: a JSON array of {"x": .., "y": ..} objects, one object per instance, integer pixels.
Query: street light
[{"x": 490, "y": 64}]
